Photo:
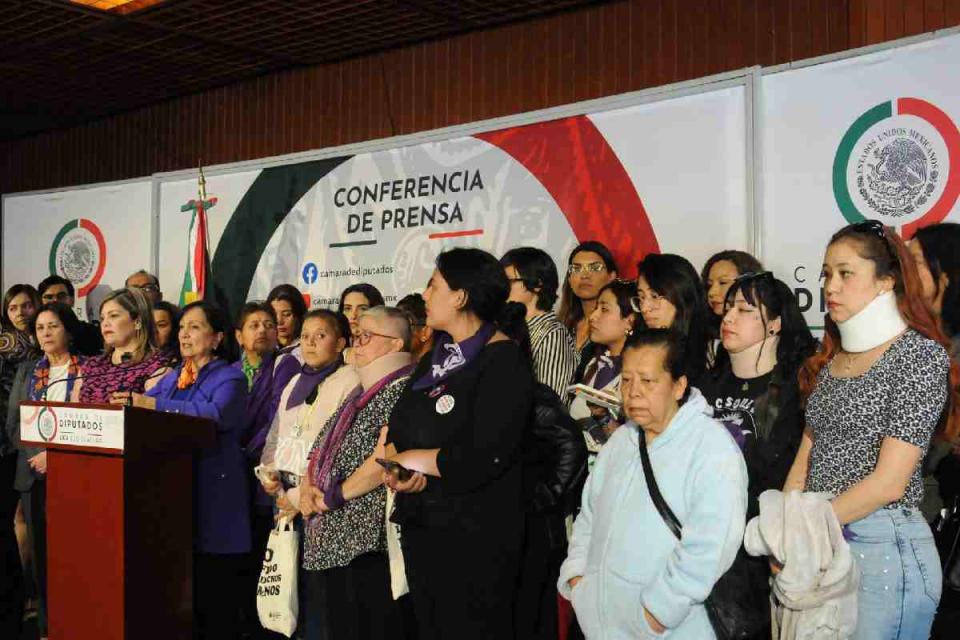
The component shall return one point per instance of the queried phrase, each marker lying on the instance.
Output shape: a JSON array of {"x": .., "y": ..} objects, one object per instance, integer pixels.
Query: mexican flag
[{"x": 198, "y": 259}]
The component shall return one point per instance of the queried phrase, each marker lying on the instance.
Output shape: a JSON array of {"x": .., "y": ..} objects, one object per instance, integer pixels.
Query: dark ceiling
[{"x": 62, "y": 64}]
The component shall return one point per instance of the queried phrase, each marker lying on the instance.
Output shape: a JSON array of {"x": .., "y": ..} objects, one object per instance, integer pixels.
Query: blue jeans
[{"x": 900, "y": 578}]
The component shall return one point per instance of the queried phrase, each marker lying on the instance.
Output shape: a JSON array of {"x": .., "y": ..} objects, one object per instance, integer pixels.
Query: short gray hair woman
[{"x": 343, "y": 498}]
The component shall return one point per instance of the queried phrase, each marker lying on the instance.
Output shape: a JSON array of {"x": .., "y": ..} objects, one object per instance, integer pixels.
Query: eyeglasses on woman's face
[
  {"x": 591, "y": 267},
  {"x": 653, "y": 300},
  {"x": 363, "y": 338}
]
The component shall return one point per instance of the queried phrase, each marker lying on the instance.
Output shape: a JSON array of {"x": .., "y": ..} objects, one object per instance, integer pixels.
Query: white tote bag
[
  {"x": 398, "y": 572},
  {"x": 277, "y": 589}
]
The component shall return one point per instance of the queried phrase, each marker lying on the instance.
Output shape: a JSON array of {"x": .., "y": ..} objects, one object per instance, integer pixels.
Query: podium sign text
[{"x": 65, "y": 424}]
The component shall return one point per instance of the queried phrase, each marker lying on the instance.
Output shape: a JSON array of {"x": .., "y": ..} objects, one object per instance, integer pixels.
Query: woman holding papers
[{"x": 611, "y": 322}]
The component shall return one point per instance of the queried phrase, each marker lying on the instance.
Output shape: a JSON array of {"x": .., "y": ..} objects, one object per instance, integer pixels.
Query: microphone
[
  {"x": 125, "y": 357},
  {"x": 162, "y": 371}
]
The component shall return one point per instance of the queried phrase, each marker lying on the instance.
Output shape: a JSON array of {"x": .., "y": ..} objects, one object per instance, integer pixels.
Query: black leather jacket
[{"x": 555, "y": 458}]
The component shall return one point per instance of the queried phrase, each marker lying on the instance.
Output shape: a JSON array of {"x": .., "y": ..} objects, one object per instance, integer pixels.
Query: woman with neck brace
[{"x": 879, "y": 389}]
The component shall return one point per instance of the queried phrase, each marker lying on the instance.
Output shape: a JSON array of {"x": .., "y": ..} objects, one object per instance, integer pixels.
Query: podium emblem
[{"x": 47, "y": 424}]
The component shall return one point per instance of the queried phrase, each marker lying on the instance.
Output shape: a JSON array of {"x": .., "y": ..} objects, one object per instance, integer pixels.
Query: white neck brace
[{"x": 873, "y": 325}]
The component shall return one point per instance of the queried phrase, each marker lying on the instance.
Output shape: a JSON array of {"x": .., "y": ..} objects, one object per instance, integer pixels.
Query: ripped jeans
[{"x": 900, "y": 575}]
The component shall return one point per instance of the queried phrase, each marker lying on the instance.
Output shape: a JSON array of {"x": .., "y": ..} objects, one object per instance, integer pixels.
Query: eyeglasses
[
  {"x": 55, "y": 297},
  {"x": 637, "y": 301},
  {"x": 593, "y": 267},
  {"x": 514, "y": 279},
  {"x": 363, "y": 339},
  {"x": 152, "y": 288}
]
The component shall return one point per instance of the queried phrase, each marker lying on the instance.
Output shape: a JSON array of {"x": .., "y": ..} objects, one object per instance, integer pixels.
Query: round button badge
[{"x": 445, "y": 404}]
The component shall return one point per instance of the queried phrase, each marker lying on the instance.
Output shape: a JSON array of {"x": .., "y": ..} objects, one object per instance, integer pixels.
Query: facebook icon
[{"x": 310, "y": 273}]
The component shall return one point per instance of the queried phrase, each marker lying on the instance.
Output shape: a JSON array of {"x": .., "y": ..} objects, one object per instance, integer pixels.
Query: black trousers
[
  {"x": 463, "y": 583},
  {"x": 535, "y": 608},
  {"x": 11, "y": 571},
  {"x": 352, "y": 602},
  {"x": 34, "y": 503},
  {"x": 218, "y": 592}
]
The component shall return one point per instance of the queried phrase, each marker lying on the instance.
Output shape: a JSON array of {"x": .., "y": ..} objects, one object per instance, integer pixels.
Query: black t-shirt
[
  {"x": 733, "y": 400},
  {"x": 765, "y": 417}
]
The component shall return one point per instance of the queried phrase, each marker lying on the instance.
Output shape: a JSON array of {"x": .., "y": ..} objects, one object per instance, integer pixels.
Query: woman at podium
[
  {"x": 132, "y": 359},
  {"x": 49, "y": 378},
  {"x": 206, "y": 386}
]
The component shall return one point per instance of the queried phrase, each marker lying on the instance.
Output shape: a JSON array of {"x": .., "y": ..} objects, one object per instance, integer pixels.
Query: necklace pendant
[{"x": 745, "y": 386}]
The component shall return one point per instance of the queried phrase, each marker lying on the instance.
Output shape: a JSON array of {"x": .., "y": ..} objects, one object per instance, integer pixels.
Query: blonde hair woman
[{"x": 132, "y": 360}]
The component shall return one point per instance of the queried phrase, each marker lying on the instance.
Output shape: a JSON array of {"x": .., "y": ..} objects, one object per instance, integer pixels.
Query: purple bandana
[
  {"x": 449, "y": 357},
  {"x": 309, "y": 380}
]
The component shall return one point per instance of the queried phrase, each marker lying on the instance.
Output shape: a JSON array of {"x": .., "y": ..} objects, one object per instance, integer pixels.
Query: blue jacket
[
  {"x": 221, "y": 504},
  {"x": 628, "y": 557}
]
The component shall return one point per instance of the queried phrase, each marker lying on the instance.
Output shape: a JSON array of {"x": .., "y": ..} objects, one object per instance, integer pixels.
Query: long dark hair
[
  {"x": 890, "y": 257},
  {"x": 744, "y": 263},
  {"x": 12, "y": 293},
  {"x": 775, "y": 300},
  {"x": 940, "y": 244},
  {"x": 290, "y": 294},
  {"x": 173, "y": 342},
  {"x": 480, "y": 275},
  {"x": 571, "y": 311},
  {"x": 370, "y": 292},
  {"x": 674, "y": 278}
]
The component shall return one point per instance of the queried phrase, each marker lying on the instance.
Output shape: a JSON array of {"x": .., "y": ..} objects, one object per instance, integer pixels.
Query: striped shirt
[{"x": 554, "y": 353}]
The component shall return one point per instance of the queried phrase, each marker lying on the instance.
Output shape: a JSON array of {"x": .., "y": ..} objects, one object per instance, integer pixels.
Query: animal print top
[
  {"x": 101, "y": 377},
  {"x": 901, "y": 396}
]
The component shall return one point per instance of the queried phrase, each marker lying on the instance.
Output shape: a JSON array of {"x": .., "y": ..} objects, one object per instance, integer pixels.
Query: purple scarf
[
  {"x": 309, "y": 380},
  {"x": 322, "y": 462},
  {"x": 448, "y": 356}
]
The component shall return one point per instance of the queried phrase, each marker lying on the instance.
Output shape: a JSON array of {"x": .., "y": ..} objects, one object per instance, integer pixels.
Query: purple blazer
[
  {"x": 277, "y": 370},
  {"x": 221, "y": 504}
]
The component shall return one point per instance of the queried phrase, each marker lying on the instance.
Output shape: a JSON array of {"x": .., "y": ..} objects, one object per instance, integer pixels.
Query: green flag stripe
[{"x": 262, "y": 209}]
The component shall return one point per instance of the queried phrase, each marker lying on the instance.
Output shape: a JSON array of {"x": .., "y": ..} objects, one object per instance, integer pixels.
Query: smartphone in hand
[{"x": 403, "y": 474}]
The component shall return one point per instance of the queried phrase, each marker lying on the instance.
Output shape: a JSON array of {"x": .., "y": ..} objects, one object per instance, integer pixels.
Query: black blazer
[
  {"x": 477, "y": 418},
  {"x": 23, "y": 481}
]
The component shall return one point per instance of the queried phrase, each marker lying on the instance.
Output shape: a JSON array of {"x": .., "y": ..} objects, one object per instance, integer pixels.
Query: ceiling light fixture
[{"x": 121, "y": 7}]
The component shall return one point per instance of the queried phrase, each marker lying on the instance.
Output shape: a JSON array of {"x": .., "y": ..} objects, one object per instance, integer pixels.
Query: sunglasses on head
[
  {"x": 870, "y": 226},
  {"x": 754, "y": 275}
]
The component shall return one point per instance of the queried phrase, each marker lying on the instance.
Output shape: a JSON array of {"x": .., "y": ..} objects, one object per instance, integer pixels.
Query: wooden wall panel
[{"x": 589, "y": 53}]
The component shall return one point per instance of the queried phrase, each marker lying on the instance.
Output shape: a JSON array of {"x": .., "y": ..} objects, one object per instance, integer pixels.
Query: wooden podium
[{"x": 119, "y": 518}]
